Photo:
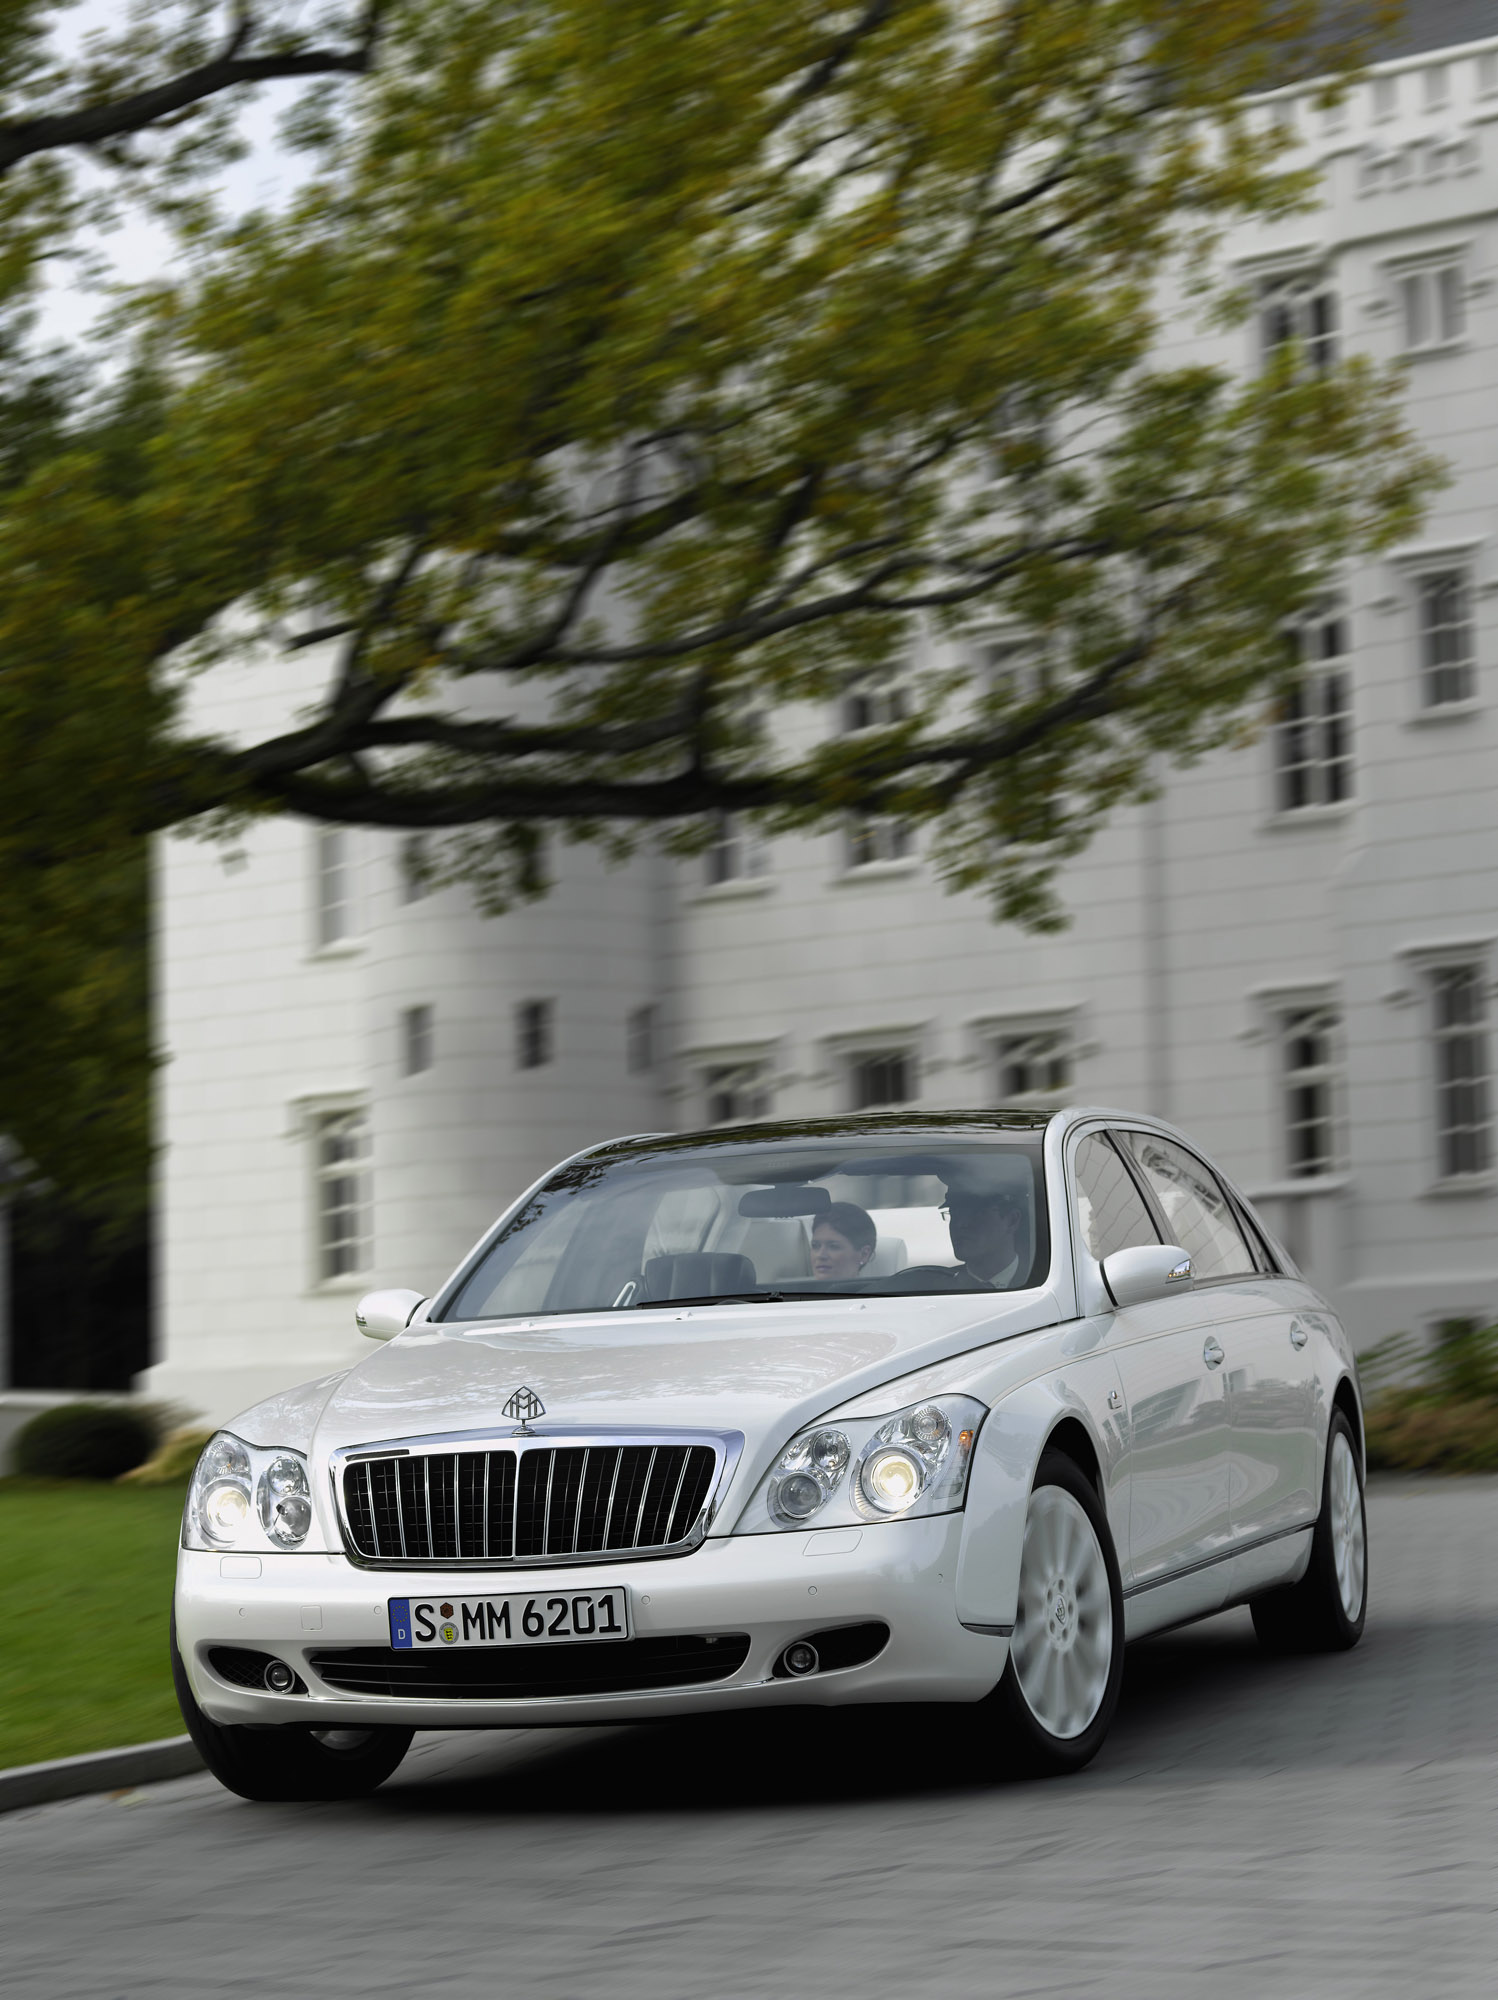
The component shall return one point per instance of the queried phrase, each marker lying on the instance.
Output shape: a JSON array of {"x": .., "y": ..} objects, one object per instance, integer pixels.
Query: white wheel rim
[
  {"x": 1063, "y": 1631},
  {"x": 1349, "y": 1534}
]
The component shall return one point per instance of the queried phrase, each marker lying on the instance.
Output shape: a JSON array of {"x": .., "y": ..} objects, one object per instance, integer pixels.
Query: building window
[
  {"x": 1433, "y": 305},
  {"x": 1300, "y": 306},
  {"x": 1463, "y": 1080},
  {"x": 418, "y": 1040},
  {"x": 1310, "y": 1052},
  {"x": 1385, "y": 96},
  {"x": 871, "y": 837},
  {"x": 1034, "y": 1064},
  {"x": 333, "y": 864},
  {"x": 885, "y": 1077},
  {"x": 1446, "y": 648},
  {"x": 1313, "y": 737},
  {"x": 341, "y": 1169},
  {"x": 736, "y": 853},
  {"x": 873, "y": 707},
  {"x": 415, "y": 868},
  {"x": 534, "y": 1036},
  {"x": 734, "y": 1092},
  {"x": 639, "y": 1040}
]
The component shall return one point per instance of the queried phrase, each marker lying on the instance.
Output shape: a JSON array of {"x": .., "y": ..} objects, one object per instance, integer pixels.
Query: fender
[{"x": 1008, "y": 1451}]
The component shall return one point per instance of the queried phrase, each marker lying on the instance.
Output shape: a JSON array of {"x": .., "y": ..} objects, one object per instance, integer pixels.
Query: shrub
[
  {"x": 1435, "y": 1411},
  {"x": 84, "y": 1441},
  {"x": 173, "y": 1459}
]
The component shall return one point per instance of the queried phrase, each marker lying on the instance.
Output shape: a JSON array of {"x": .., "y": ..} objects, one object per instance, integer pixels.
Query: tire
[
  {"x": 1324, "y": 1612},
  {"x": 1056, "y": 1700},
  {"x": 290, "y": 1761}
]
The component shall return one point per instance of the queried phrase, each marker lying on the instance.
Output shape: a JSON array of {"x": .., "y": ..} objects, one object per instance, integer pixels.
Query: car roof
[{"x": 982, "y": 1123}]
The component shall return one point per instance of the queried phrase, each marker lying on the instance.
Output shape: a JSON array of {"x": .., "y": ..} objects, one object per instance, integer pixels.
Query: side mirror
[
  {"x": 382, "y": 1315},
  {"x": 1148, "y": 1271}
]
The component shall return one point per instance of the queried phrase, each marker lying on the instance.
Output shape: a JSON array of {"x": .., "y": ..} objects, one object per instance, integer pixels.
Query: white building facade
[{"x": 1292, "y": 952}]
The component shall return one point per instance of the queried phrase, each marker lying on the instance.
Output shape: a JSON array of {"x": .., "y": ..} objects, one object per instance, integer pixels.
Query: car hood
[{"x": 762, "y": 1371}]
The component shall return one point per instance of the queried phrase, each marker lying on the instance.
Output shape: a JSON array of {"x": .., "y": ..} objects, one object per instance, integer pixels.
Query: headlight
[
  {"x": 875, "y": 1469},
  {"x": 806, "y": 1475},
  {"x": 245, "y": 1496}
]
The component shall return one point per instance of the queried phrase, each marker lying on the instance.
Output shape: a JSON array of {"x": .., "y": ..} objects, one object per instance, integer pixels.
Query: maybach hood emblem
[{"x": 525, "y": 1406}]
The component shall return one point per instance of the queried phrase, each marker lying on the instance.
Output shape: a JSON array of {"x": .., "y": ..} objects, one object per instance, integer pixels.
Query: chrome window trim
[{"x": 727, "y": 1446}]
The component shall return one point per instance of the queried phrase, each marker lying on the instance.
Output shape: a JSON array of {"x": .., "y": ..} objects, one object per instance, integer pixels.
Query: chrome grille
[{"x": 526, "y": 1503}]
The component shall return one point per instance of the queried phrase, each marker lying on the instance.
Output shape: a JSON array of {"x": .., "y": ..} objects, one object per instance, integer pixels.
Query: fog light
[
  {"x": 278, "y": 1677},
  {"x": 801, "y": 1658}
]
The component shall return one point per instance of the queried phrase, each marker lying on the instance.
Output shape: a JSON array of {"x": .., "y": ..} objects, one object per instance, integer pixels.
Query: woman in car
[{"x": 842, "y": 1241}]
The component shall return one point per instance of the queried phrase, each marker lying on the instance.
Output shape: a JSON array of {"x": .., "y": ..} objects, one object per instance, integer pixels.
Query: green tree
[
  {"x": 143, "y": 110},
  {"x": 625, "y": 373}
]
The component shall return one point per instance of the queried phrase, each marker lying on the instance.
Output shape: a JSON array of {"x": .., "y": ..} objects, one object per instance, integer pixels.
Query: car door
[
  {"x": 1174, "y": 1408},
  {"x": 1266, "y": 1364}
]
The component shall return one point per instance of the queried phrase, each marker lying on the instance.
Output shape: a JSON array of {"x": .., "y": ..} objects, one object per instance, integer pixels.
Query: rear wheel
[
  {"x": 293, "y": 1761},
  {"x": 1324, "y": 1612},
  {"x": 1060, "y": 1688}
]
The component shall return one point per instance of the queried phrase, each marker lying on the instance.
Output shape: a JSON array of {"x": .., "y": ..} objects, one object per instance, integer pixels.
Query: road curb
[{"x": 98, "y": 1771}]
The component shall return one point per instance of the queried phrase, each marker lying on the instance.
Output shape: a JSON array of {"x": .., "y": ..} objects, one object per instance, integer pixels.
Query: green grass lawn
[{"x": 85, "y": 1595}]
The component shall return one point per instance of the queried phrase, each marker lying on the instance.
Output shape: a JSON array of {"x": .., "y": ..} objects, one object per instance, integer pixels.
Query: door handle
[
  {"x": 1212, "y": 1352},
  {"x": 1298, "y": 1334}
]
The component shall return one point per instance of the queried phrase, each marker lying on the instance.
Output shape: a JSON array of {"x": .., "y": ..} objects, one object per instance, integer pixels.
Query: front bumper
[{"x": 774, "y": 1587}]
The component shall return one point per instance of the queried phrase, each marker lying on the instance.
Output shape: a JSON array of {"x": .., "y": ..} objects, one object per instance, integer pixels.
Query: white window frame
[
  {"x": 736, "y": 855},
  {"x": 1473, "y": 1137},
  {"x": 539, "y": 1010},
  {"x": 1300, "y": 294},
  {"x": 418, "y": 1038},
  {"x": 1323, "y": 1012},
  {"x": 1458, "y": 688},
  {"x": 855, "y": 1061},
  {"x": 335, "y": 912},
  {"x": 735, "y": 1091},
  {"x": 318, "y": 1116},
  {"x": 1430, "y": 297},
  {"x": 1046, "y": 1036},
  {"x": 411, "y": 864},
  {"x": 1323, "y": 685}
]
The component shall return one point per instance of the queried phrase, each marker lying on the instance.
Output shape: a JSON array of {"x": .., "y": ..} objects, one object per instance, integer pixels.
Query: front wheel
[
  {"x": 290, "y": 1762},
  {"x": 1324, "y": 1612},
  {"x": 1056, "y": 1701}
]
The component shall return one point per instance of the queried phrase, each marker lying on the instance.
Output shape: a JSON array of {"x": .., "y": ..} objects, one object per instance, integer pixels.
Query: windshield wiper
[{"x": 734, "y": 1299}]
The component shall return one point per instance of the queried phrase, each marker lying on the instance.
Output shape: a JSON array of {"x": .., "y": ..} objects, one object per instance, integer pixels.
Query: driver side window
[{"x": 1111, "y": 1214}]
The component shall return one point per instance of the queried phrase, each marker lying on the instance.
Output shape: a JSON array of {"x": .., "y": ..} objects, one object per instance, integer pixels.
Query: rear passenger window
[
  {"x": 1111, "y": 1214},
  {"x": 1198, "y": 1214}
]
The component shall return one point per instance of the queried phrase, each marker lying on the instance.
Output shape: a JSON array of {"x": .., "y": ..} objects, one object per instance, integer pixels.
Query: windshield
[{"x": 848, "y": 1217}]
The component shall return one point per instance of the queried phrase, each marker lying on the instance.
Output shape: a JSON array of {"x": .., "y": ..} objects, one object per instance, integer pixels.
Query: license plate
[{"x": 508, "y": 1621}]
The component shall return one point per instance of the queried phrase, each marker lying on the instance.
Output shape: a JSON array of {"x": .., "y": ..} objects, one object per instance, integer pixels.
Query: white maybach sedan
[{"x": 895, "y": 1408}]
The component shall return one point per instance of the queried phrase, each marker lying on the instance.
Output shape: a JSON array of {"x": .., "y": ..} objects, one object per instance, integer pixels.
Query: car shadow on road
[{"x": 1205, "y": 1699}]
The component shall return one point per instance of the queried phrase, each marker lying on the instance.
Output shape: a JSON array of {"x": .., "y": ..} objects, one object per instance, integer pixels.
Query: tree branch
[{"x": 93, "y": 124}]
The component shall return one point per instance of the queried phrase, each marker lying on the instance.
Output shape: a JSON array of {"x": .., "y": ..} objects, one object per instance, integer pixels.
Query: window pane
[
  {"x": 334, "y": 911},
  {"x": 1413, "y": 293},
  {"x": 1111, "y": 1214},
  {"x": 416, "y": 1040},
  {"x": 1462, "y": 1077},
  {"x": 533, "y": 1034},
  {"x": 1451, "y": 303},
  {"x": 1310, "y": 1038},
  {"x": 1197, "y": 1214},
  {"x": 341, "y": 1147},
  {"x": 881, "y": 1079}
]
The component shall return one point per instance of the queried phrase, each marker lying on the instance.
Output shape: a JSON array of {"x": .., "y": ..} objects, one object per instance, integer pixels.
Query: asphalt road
[{"x": 1253, "y": 1827}]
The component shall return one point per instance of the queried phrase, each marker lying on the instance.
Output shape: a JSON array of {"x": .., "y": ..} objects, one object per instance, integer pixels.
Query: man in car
[{"x": 988, "y": 1232}]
